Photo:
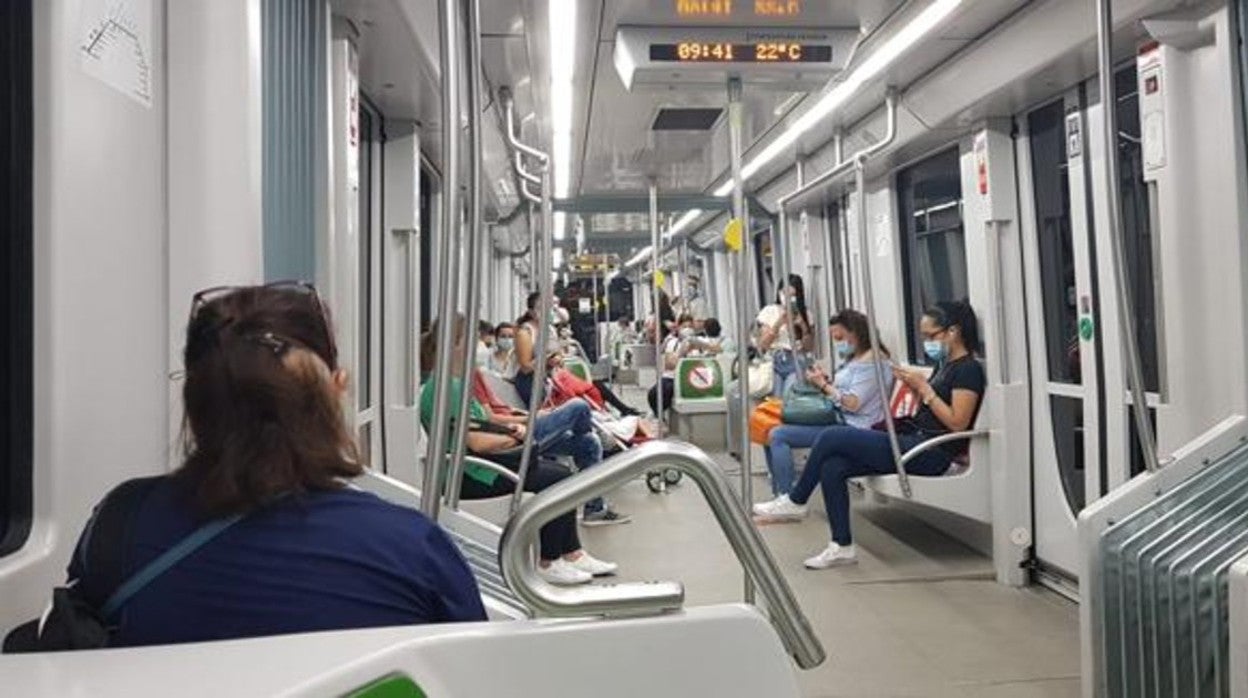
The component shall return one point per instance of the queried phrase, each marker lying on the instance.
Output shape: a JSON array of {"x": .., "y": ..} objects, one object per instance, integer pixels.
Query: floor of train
[{"x": 919, "y": 615}]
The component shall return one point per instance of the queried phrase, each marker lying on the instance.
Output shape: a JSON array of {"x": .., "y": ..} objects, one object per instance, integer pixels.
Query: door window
[
  {"x": 16, "y": 271},
  {"x": 1049, "y": 172},
  {"x": 1137, "y": 224}
]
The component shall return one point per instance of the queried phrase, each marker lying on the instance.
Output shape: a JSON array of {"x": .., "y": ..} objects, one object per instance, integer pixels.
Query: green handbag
[{"x": 804, "y": 404}]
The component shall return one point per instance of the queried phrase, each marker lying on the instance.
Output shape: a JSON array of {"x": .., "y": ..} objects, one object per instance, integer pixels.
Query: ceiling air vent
[{"x": 686, "y": 118}]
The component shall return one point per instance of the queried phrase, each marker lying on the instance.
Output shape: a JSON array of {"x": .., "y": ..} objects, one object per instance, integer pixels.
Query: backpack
[{"x": 86, "y": 616}]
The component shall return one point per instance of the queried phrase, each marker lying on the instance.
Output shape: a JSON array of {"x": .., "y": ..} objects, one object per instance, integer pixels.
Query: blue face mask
[
  {"x": 506, "y": 343},
  {"x": 935, "y": 350},
  {"x": 844, "y": 349}
]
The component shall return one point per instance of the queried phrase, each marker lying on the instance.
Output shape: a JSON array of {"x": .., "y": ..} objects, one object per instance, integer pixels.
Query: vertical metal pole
[
  {"x": 814, "y": 294},
  {"x": 597, "y": 335},
  {"x": 1131, "y": 350},
  {"x": 435, "y": 456},
  {"x": 542, "y": 262},
  {"x": 473, "y": 249},
  {"x": 735, "y": 118},
  {"x": 655, "y": 244},
  {"x": 533, "y": 281},
  {"x": 868, "y": 296}
]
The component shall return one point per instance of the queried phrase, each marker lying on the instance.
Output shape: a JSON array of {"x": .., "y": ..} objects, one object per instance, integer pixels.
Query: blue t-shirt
[{"x": 322, "y": 561}]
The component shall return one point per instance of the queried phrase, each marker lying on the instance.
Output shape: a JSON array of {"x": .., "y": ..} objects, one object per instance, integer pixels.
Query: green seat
[{"x": 392, "y": 686}]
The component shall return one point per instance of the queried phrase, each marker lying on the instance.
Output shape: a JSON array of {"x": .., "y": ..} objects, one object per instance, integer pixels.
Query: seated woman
[
  {"x": 676, "y": 346},
  {"x": 502, "y": 360},
  {"x": 854, "y": 391},
  {"x": 951, "y": 401},
  {"x": 267, "y": 442},
  {"x": 562, "y": 560}
]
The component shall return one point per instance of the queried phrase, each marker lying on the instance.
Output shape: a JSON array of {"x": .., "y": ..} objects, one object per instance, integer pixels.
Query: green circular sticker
[{"x": 1085, "y": 328}]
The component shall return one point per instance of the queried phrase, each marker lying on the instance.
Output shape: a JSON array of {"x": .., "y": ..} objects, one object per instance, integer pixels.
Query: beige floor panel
[{"x": 918, "y": 616}]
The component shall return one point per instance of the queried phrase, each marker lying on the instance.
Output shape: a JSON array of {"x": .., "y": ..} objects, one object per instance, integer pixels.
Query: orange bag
[{"x": 763, "y": 419}]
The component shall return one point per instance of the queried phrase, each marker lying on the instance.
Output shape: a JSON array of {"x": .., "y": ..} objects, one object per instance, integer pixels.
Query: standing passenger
[{"x": 774, "y": 336}]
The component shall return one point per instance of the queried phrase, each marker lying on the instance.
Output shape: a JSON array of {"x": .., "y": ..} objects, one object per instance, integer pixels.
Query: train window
[
  {"x": 1057, "y": 256},
  {"x": 837, "y": 276},
  {"x": 426, "y": 246},
  {"x": 16, "y": 277},
  {"x": 1137, "y": 223},
  {"x": 763, "y": 266},
  {"x": 933, "y": 244}
]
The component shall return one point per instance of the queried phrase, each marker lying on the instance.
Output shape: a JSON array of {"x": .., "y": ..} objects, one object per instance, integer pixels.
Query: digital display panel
[
  {"x": 729, "y": 52},
  {"x": 723, "y": 8}
]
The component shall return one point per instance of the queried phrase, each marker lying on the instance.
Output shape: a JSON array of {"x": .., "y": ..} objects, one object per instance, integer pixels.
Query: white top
[
  {"x": 504, "y": 366},
  {"x": 671, "y": 345},
  {"x": 768, "y": 317}
]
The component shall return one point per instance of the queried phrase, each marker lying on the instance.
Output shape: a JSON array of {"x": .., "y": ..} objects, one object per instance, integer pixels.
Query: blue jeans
[
  {"x": 785, "y": 366},
  {"x": 784, "y": 439},
  {"x": 572, "y": 427},
  {"x": 843, "y": 452}
]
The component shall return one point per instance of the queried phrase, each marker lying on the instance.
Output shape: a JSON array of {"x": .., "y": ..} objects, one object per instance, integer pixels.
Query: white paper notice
[{"x": 115, "y": 45}]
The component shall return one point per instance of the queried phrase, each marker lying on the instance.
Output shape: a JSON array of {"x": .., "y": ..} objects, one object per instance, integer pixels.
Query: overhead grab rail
[
  {"x": 541, "y": 271},
  {"x": 650, "y": 597},
  {"x": 1131, "y": 349},
  {"x": 857, "y": 163}
]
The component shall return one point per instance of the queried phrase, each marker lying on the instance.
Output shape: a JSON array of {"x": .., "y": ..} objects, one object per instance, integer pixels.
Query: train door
[
  {"x": 368, "y": 365},
  {"x": 1079, "y": 405},
  {"x": 1067, "y": 400}
]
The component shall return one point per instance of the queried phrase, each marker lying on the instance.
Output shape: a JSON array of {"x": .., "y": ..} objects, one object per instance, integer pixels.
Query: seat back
[
  {"x": 578, "y": 367},
  {"x": 699, "y": 379},
  {"x": 505, "y": 390}
]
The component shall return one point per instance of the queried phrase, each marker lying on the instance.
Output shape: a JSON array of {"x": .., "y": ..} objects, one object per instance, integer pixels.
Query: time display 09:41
[{"x": 727, "y": 52}]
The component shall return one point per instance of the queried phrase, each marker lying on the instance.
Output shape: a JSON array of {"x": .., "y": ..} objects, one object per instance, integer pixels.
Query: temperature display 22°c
[{"x": 726, "y": 52}]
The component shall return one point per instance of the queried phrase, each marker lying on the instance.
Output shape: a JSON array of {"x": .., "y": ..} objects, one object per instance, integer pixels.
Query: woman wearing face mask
[
  {"x": 853, "y": 390},
  {"x": 951, "y": 401},
  {"x": 774, "y": 336},
  {"x": 502, "y": 361},
  {"x": 528, "y": 329},
  {"x": 675, "y": 347}
]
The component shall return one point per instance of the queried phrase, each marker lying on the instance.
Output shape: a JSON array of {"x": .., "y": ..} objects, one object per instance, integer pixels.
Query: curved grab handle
[{"x": 656, "y": 597}]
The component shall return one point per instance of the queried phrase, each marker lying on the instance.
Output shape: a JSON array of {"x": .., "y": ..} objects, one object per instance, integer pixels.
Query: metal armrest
[
  {"x": 938, "y": 441},
  {"x": 492, "y": 467},
  {"x": 654, "y": 597}
]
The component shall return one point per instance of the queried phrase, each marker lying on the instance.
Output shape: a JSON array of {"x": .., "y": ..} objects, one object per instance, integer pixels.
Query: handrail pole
[
  {"x": 513, "y": 139},
  {"x": 881, "y": 383},
  {"x": 655, "y": 292},
  {"x": 1130, "y": 347},
  {"x": 736, "y": 119},
  {"x": 435, "y": 457},
  {"x": 532, "y": 236},
  {"x": 542, "y": 268},
  {"x": 474, "y": 249},
  {"x": 654, "y": 597}
]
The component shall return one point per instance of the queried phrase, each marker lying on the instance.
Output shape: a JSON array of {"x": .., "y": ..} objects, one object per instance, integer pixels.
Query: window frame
[
  {"x": 909, "y": 238},
  {"x": 17, "y": 260}
]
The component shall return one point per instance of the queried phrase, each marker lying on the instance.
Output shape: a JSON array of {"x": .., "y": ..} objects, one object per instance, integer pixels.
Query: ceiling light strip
[{"x": 872, "y": 66}]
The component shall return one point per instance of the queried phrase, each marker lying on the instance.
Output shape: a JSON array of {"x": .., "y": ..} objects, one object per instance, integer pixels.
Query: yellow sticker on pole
[
  {"x": 733, "y": 234},
  {"x": 659, "y": 279}
]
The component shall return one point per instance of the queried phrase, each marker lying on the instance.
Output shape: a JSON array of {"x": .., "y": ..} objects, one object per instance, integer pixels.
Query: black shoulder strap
[{"x": 105, "y": 558}]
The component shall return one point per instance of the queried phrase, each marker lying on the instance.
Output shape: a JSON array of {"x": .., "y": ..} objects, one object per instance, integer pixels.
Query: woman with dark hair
[
  {"x": 951, "y": 401},
  {"x": 855, "y": 393},
  {"x": 774, "y": 336},
  {"x": 267, "y": 457}
]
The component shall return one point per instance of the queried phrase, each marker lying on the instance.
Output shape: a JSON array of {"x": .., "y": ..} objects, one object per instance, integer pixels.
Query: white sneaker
[
  {"x": 780, "y": 509},
  {"x": 593, "y": 566},
  {"x": 833, "y": 556},
  {"x": 561, "y": 573}
]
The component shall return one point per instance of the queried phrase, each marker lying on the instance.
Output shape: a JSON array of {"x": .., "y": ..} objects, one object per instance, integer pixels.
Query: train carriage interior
[{"x": 869, "y": 351}]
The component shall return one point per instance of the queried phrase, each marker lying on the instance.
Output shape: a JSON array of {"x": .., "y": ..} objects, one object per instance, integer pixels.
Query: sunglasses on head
[{"x": 280, "y": 345}]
